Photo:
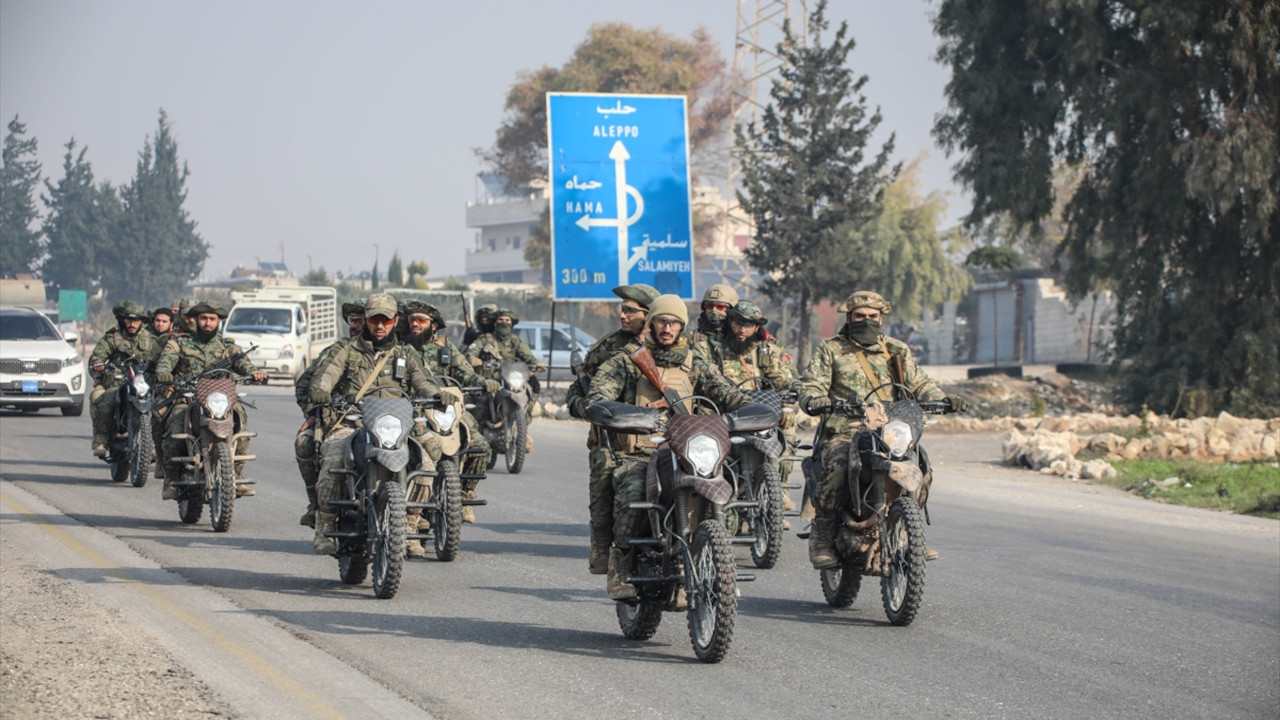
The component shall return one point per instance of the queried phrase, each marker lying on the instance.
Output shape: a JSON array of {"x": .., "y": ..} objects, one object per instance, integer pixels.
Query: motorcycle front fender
[
  {"x": 520, "y": 399},
  {"x": 142, "y": 403},
  {"x": 220, "y": 429},
  {"x": 906, "y": 474}
]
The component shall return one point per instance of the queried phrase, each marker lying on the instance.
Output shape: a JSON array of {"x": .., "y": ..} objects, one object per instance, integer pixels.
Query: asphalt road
[{"x": 1050, "y": 600}]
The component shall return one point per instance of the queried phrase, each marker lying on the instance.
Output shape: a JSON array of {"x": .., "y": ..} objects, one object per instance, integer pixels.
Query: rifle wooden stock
[
  {"x": 649, "y": 369},
  {"x": 466, "y": 316}
]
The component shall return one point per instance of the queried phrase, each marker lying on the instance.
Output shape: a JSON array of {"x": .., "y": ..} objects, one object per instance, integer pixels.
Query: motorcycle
[
  {"x": 682, "y": 558},
  {"x": 503, "y": 420},
  {"x": 211, "y": 431},
  {"x": 752, "y": 468},
  {"x": 130, "y": 450},
  {"x": 880, "y": 533},
  {"x": 443, "y": 510},
  {"x": 370, "y": 506}
]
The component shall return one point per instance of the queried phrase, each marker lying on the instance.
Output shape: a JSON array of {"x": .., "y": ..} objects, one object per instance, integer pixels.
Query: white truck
[{"x": 290, "y": 326}]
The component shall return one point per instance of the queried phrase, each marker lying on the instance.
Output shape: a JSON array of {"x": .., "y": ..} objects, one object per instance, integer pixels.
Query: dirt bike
[
  {"x": 502, "y": 418},
  {"x": 381, "y": 459},
  {"x": 881, "y": 530},
  {"x": 211, "y": 431},
  {"x": 752, "y": 468},
  {"x": 130, "y": 450},
  {"x": 443, "y": 510},
  {"x": 682, "y": 558}
]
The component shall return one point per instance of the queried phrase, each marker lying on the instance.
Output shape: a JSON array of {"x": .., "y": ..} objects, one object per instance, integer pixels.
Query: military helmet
[
  {"x": 669, "y": 305},
  {"x": 486, "y": 311},
  {"x": 206, "y": 306},
  {"x": 748, "y": 313},
  {"x": 640, "y": 293},
  {"x": 436, "y": 317},
  {"x": 515, "y": 319},
  {"x": 720, "y": 293},
  {"x": 355, "y": 307},
  {"x": 866, "y": 298},
  {"x": 186, "y": 304},
  {"x": 129, "y": 309}
]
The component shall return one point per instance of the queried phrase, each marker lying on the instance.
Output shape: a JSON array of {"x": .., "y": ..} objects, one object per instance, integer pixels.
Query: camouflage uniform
[
  {"x": 185, "y": 356},
  {"x": 115, "y": 346},
  {"x": 720, "y": 294},
  {"x": 619, "y": 379},
  {"x": 835, "y": 373},
  {"x": 488, "y": 352},
  {"x": 442, "y": 357},
  {"x": 304, "y": 445},
  {"x": 345, "y": 371}
]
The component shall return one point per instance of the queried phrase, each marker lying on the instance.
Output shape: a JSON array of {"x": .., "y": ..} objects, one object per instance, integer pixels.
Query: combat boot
[
  {"x": 99, "y": 446},
  {"x": 598, "y": 560},
  {"x": 618, "y": 590},
  {"x": 308, "y": 518},
  {"x": 468, "y": 512},
  {"x": 821, "y": 552},
  {"x": 787, "y": 502},
  {"x": 528, "y": 443},
  {"x": 413, "y": 548},
  {"x": 325, "y": 522},
  {"x": 168, "y": 492}
]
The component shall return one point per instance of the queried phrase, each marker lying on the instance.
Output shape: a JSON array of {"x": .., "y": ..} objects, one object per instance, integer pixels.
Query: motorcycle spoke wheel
[
  {"x": 902, "y": 540},
  {"x": 447, "y": 527},
  {"x": 517, "y": 435},
  {"x": 767, "y": 520},
  {"x": 387, "y": 528},
  {"x": 713, "y": 601},
  {"x": 222, "y": 487},
  {"x": 840, "y": 585},
  {"x": 353, "y": 569},
  {"x": 190, "y": 503},
  {"x": 141, "y": 451},
  {"x": 638, "y": 620}
]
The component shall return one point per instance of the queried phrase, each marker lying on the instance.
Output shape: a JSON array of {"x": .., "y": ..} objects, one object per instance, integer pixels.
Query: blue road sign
[{"x": 620, "y": 209}]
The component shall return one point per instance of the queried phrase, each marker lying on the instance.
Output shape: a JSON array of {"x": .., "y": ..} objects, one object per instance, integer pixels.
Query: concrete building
[
  {"x": 1031, "y": 321},
  {"x": 504, "y": 224}
]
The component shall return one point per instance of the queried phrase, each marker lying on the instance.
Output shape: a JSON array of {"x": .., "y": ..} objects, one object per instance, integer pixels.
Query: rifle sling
[{"x": 368, "y": 383}]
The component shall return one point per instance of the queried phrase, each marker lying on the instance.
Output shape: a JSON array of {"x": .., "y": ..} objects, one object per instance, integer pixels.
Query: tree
[
  {"x": 1172, "y": 111},
  {"x": 318, "y": 277},
  {"x": 19, "y": 176},
  {"x": 81, "y": 221},
  {"x": 395, "y": 270},
  {"x": 373, "y": 277},
  {"x": 805, "y": 175},
  {"x": 418, "y": 270},
  {"x": 156, "y": 250},
  {"x": 614, "y": 58}
]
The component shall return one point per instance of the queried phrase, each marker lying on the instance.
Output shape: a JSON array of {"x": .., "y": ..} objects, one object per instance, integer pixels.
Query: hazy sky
[{"x": 331, "y": 126}]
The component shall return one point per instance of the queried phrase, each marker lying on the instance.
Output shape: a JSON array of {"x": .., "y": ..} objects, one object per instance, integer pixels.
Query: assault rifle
[{"x": 645, "y": 364}]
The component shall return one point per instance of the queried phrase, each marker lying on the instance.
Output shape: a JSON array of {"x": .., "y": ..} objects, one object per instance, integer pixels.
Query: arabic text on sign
[{"x": 615, "y": 131}]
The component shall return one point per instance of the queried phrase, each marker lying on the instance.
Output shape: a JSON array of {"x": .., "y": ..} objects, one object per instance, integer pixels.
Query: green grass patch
[{"x": 1243, "y": 488}]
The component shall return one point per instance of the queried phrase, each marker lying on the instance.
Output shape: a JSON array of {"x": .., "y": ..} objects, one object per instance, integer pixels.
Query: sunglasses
[
  {"x": 380, "y": 320},
  {"x": 629, "y": 310},
  {"x": 719, "y": 307}
]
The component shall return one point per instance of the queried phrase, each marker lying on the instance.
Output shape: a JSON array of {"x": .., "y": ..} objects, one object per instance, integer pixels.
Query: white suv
[{"x": 38, "y": 368}]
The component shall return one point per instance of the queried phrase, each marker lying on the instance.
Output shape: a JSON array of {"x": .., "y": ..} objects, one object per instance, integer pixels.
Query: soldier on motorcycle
[
  {"x": 162, "y": 324},
  {"x": 374, "y": 364},
  {"x": 189, "y": 355},
  {"x": 489, "y": 350},
  {"x": 631, "y": 320},
  {"x": 304, "y": 445},
  {"x": 126, "y": 339},
  {"x": 850, "y": 365},
  {"x": 483, "y": 325},
  {"x": 741, "y": 351},
  {"x": 619, "y": 379},
  {"x": 424, "y": 324}
]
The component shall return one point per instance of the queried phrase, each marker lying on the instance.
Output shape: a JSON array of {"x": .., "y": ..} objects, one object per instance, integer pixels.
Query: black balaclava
[{"x": 864, "y": 332}]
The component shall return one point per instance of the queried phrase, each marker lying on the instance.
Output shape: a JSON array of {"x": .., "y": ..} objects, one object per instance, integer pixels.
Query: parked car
[
  {"x": 39, "y": 365},
  {"x": 554, "y": 349}
]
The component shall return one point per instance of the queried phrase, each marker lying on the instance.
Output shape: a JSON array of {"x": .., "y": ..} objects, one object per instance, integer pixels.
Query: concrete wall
[{"x": 1053, "y": 329}]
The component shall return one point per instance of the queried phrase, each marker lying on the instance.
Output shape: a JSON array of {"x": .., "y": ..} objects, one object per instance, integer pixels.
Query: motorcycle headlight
[
  {"x": 286, "y": 351},
  {"x": 897, "y": 435},
  {"x": 218, "y": 404},
  {"x": 703, "y": 452},
  {"x": 445, "y": 419},
  {"x": 140, "y": 385},
  {"x": 515, "y": 380},
  {"x": 388, "y": 429}
]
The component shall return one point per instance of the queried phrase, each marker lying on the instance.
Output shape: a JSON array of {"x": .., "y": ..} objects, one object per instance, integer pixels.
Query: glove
[
  {"x": 816, "y": 405},
  {"x": 958, "y": 404},
  {"x": 492, "y": 386},
  {"x": 164, "y": 378},
  {"x": 576, "y": 407},
  {"x": 320, "y": 397}
]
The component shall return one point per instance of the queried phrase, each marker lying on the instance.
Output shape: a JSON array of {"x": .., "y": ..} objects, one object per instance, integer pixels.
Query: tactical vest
[{"x": 679, "y": 379}]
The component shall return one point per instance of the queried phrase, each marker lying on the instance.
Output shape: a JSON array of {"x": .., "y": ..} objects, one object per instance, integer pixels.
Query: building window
[
  {"x": 493, "y": 243},
  {"x": 515, "y": 242}
]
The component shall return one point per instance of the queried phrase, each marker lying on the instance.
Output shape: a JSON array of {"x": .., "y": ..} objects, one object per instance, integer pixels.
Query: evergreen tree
[
  {"x": 395, "y": 270},
  {"x": 156, "y": 251},
  {"x": 805, "y": 176},
  {"x": 373, "y": 279},
  {"x": 19, "y": 176},
  {"x": 80, "y": 223},
  {"x": 1172, "y": 111}
]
